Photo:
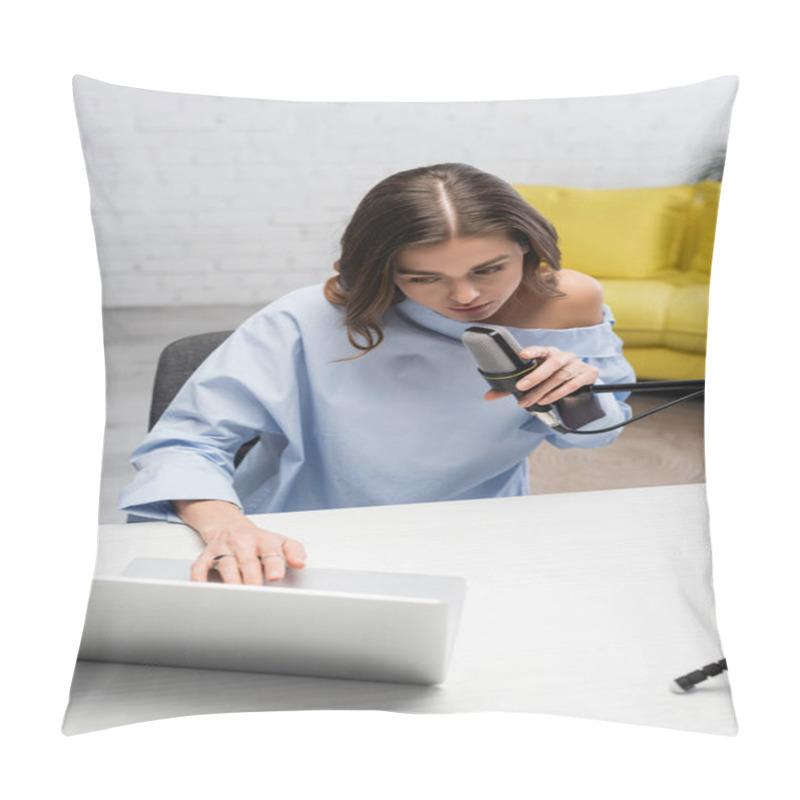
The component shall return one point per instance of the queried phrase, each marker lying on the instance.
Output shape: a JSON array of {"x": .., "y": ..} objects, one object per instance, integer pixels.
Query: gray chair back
[{"x": 177, "y": 363}]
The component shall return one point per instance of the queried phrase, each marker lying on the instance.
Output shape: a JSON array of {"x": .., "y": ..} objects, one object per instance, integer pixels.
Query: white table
[{"x": 586, "y": 604}]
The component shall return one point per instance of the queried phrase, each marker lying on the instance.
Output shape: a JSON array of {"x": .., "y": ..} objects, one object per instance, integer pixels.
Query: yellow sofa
[{"x": 651, "y": 250}]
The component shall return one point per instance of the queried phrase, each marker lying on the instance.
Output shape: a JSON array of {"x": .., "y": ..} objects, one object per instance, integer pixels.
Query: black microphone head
[
  {"x": 496, "y": 353},
  {"x": 494, "y": 349}
]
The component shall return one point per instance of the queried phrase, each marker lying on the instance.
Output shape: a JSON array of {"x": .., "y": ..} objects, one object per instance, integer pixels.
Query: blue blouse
[{"x": 406, "y": 423}]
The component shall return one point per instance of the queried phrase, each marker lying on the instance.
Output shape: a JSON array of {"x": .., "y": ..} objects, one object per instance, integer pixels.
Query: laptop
[{"x": 315, "y": 622}]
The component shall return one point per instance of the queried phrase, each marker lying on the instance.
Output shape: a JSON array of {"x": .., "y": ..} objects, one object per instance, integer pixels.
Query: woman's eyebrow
[{"x": 401, "y": 271}]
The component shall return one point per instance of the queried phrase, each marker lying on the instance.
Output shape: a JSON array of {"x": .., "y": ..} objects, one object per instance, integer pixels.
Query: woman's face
[{"x": 468, "y": 279}]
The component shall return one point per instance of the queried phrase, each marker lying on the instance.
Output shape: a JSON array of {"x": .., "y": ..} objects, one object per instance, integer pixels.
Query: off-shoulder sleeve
[{"x": 247, "y": 387}]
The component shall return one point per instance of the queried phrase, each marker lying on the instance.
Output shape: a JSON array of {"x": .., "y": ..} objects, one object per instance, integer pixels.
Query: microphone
[{"x": 496, "y": 352}]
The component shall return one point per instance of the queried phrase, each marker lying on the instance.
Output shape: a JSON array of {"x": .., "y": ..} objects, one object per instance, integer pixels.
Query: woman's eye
[{"x": 478, "y": 273}]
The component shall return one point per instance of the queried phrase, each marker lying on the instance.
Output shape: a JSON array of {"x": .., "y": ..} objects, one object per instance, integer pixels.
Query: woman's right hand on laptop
[{"x": 239, "y": 551}]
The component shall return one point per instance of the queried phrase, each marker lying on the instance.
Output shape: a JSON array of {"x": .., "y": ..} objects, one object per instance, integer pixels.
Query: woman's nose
[{"x": 463, "y": 293}]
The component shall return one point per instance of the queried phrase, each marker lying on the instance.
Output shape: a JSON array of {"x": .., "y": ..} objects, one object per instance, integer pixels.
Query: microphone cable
[{"x": 563, "y": 429}]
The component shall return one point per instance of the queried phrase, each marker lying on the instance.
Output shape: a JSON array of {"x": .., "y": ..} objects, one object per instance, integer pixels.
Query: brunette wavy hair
[{"x": 423, "y": 206}]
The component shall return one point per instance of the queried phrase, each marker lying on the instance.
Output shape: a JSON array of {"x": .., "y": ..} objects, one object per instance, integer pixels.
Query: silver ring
[
  {"x": 215, "y": 561},
  {"x": 271, "y": 555}
]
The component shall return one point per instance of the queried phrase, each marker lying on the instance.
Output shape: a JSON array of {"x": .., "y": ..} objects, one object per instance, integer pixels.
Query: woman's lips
[{"x": 470, "y": 309}]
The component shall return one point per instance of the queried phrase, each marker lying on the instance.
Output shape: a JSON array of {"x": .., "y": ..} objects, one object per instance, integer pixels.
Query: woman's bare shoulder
[
  {"x": 578, "y": 304},
  {"x": 582, "y": 302}
]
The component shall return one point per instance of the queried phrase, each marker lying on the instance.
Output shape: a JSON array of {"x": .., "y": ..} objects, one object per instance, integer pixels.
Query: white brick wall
[{"x": 201, "y": 200}]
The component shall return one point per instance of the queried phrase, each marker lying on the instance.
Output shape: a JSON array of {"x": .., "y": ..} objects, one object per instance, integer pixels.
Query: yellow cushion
[
  {"x": 659, "y": 313},
  {"x": 687, "y": 319},
  {"x": 699, "y": 244},
  {"x": 616, "y": 233},
  {"x": 661, "y": 364},
  {"x": 640, "y": 310}
]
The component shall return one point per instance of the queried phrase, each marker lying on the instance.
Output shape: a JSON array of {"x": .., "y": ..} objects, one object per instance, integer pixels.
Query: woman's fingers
[
  {"x": 250, "y": 568},
  {"x": 552, "y": 363},
  {"x": 562, "y": 388},
  {"x": 556, "y": 367},
  {"x": 273, "y": 565},
  {"x": 559, "y": 374},
  {"x": 274, "y": 561},
  {"x": 248, "y": 558},
  {"x": 228, "y": 569},
  {"x": 225, "y": 564},
  {"x": 200, "y": 568},
  {"x": 295, "y": 553}
]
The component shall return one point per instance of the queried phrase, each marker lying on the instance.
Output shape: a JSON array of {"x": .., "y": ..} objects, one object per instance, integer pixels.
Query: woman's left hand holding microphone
[{"x": 560, "y": 373}]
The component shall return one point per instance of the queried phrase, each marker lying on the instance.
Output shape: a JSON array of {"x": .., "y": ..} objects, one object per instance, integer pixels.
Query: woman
[{"x": 361, "y": 392}]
